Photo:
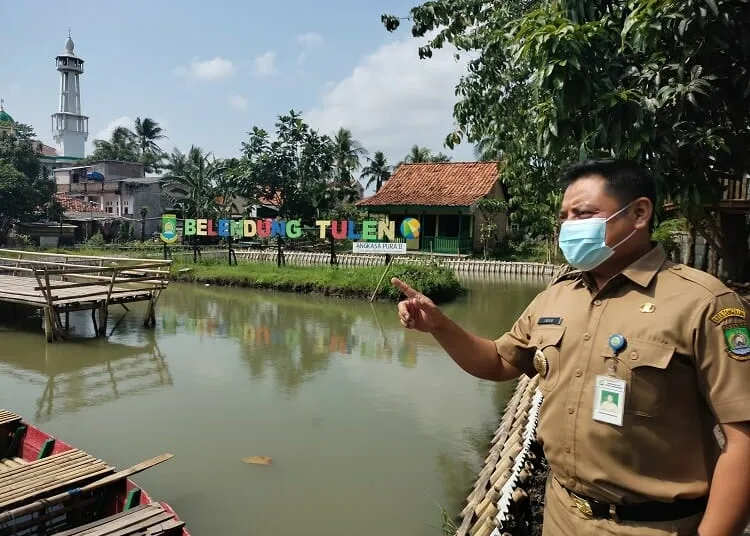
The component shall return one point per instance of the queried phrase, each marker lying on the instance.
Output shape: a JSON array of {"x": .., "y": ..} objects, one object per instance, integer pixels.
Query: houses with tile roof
[{"x": 443, "y": 196}]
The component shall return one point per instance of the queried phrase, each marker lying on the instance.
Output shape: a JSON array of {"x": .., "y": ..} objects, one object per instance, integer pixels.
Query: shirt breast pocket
[
  {"x": 648, "y": 362},
  {"x": 547, "y": 342}
]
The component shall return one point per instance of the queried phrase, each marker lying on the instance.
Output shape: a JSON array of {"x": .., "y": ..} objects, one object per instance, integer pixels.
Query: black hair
[{"x": 626, "y": 180}]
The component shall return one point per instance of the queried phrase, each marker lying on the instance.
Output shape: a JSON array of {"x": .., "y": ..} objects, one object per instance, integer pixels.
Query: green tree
[
  {"x": 189, "y": 182},
  {"x": 419, "y": 155},
  {"x": 377, "y": 171},
  {"x": 138, "y": 145},
  {"x": 660, "y": 81},
  {"x": 25, "y": 191},
  {"x": 347, "y": 154},
  {"x": 294, "y": 168},
  {"x": 147, "y": 132},
  {"x": 122, "y": 145}
]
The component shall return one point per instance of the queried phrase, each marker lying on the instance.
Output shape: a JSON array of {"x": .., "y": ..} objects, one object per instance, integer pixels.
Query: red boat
[{"x": 48, "y": 487}]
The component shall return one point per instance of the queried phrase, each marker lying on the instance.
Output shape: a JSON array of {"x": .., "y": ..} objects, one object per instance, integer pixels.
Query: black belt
[{"x": 646, "y": 511}]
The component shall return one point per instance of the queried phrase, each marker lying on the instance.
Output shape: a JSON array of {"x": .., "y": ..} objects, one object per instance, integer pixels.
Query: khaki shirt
[{"x": 686, "y": 366}]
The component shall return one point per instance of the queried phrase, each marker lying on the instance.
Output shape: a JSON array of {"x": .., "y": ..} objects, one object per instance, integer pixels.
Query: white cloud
[
  {"x": 106, "y": 132},
  {"x": 213, "y": 69},
  {"x": 310, "y": 39},
  {"x": 238, "y": 102},
  {"x": 393, "y": 100},
  {"x": 265, "y": 64}
]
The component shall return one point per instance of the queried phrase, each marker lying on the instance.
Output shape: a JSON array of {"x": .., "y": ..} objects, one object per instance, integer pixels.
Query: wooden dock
[{"x": 59, "y": 284}]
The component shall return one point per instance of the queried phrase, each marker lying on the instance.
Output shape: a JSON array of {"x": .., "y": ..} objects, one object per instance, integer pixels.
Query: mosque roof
[{"x": 5, "y": 116}]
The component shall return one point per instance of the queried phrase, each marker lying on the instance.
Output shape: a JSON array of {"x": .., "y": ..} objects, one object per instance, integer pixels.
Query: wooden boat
[{"x": 48, "y": 487}]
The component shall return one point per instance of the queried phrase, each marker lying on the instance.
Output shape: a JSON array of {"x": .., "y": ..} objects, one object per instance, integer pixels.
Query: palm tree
[
  {"x": 377, "y": 171},
  {"x": 348, "y": 152},
  {"x": 147, "y": 131},
  {"x": 189, "y": 181},
  {"x": 419, "y": 155},
  {"x": 121, "y": 145}
]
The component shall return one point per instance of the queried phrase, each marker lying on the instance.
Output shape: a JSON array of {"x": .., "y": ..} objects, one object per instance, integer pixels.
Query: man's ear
[{"x": 642, "y": 209}]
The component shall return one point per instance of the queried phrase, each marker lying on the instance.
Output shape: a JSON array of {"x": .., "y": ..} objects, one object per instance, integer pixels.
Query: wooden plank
[
  {"x": 129, "y": 522},
  {"x": 8, "y": 417},
  {"x": 48, "y": 475},
  {"x": 70, "y": 257},
  {"x": 130, "y": 525}
]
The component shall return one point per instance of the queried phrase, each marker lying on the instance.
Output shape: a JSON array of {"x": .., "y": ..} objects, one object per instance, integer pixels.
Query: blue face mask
[{"x": 583, "y": 241}]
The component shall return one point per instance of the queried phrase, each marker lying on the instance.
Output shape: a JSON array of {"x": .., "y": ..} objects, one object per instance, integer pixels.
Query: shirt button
[
  {"x": 586, "y": 336},
  {"x": 578, "y": 373},
  {"x": 570, "y": 410},
  {"x": 633, "y": 355},
  {"x": 567, "y": 450},
  {"x": 597, "y": 302}
]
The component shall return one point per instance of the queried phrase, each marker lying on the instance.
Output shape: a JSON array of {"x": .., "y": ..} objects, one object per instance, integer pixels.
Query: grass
[{"x": 439, "y": 284}]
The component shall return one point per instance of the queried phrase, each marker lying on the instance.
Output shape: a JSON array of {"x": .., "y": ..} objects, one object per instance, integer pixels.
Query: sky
[{"x": 210, "y": 71}]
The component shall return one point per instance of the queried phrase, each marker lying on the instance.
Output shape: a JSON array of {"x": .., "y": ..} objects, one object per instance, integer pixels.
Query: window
[{"x": 514, "y": 227}]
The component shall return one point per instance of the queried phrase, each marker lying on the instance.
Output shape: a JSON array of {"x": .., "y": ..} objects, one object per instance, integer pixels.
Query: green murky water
[{"x": 371, "y": 429}]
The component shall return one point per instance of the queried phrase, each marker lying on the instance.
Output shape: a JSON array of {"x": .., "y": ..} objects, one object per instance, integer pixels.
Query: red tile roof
[
  {"x": 436, "y": 184},
  {"x": 74, "y": 206}
]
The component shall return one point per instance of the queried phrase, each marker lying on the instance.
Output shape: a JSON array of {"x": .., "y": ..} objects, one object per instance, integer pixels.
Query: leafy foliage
[
  {"x": 24, "y": 190},
  {"x": 138, "y": 145},
  {"x": 377, "y": 172},
  {"x": 294, "y": 170},
  {"x": 664, "y": 82}
]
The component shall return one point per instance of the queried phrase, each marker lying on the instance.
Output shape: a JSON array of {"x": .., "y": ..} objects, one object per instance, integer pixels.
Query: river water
[{"x": 371, "y": 429}]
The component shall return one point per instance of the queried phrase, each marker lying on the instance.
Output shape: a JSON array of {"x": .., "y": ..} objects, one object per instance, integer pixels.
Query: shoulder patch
[
  {"x": 724, "y": 314},
  {"x": 737, "y": 338}
]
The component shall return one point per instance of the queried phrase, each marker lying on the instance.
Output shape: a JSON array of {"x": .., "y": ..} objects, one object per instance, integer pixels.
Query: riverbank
[{"x": 438, "y": 283}]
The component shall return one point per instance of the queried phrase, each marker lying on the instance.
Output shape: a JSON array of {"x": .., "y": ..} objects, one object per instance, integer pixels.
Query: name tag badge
[
  {"x": 549, "y": 320},
  {"x": 609, "y": 400}
]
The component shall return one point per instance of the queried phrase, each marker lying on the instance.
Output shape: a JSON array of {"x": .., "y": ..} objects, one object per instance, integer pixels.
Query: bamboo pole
[{"x": 388, "y": 266}]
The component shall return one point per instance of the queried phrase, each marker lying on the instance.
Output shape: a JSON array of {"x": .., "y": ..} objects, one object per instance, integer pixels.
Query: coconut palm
[
  {"x": 121, "y": 145},
  {"x": 189, "y": 181},
  {"x": 419, "y": 155},
  {"x": 147, "y": 131},
  {"x": 347, "y": 154},
  {"x": 377, "y": 171}
]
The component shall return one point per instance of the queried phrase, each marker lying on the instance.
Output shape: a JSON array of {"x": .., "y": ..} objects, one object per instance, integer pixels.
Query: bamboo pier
[
  {"x": 59, "y": 284},
  {"x": 500, "y": 499}
]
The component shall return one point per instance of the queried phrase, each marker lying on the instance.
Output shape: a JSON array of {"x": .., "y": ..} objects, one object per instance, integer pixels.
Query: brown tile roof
[
  {"x": 436, "y": 184},
  {"x": 78, "y": 208}
]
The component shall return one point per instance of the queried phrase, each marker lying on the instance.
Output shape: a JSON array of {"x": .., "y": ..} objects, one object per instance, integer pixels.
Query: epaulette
[
  {"x": 564, "y": 273},
  {"x": 699, "y": 277}
]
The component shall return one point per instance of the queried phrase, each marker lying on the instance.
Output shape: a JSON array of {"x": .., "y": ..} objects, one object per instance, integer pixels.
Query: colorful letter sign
[{"x": 368, "y": 235}]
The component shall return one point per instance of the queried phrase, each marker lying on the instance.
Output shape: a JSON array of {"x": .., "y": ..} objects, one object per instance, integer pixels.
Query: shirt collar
[{"x": 643, "y": 270}]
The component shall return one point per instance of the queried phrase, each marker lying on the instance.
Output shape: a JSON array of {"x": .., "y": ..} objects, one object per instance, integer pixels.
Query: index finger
[{"x": 403, "y": 287}]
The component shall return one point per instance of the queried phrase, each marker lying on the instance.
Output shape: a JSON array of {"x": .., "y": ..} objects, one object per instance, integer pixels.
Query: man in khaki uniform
[{"x": 667, "y": 342}]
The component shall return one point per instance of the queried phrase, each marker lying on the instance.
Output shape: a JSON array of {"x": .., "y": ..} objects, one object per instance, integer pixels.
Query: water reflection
[
  {"x": 292, "y": 337},
  {"x": 74, "y": 375},
  {"x": 361, "y": 417}
]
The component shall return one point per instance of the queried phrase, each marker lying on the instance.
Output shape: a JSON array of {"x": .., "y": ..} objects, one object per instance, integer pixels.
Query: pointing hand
[{"x": 417, "y": 311}]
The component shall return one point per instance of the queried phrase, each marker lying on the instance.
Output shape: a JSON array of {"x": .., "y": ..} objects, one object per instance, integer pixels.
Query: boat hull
[{"x": 32, "y": 444}]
